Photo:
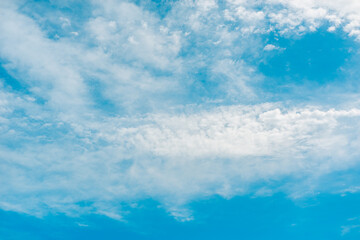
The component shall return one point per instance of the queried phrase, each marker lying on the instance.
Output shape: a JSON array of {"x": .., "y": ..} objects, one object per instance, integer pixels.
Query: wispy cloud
[
  {"x": 172, "y": 158},
  {"x": 126, "y": 104}
]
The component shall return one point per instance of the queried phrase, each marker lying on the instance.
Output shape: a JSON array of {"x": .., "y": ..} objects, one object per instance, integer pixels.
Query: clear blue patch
[
  {"x": 9, "y": 81},
  {"x": 276, "y": 217},
  {"x": 305, "y": 65}
]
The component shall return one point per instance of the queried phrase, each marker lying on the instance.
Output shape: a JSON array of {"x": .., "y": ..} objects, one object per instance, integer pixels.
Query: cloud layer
[
  {"x": 130, "y": 103},
  {"x": 171, "y": 158}
]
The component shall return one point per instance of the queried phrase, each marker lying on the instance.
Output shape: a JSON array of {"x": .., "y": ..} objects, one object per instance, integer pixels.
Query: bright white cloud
[
  {"x": 289, "y": 16},
  {"x": 270, "y": 47},
  {"x": 127, "y": 32},
  {"x": 171, "y": 158}
]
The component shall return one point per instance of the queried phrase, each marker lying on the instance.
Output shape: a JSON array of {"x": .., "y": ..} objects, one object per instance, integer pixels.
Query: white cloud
[
  {"x": 347, "y": 229},
  {"x": 39, "y": 62},
  {"x": 128, "y": 31},
  {"x": 289, "y": 16},
  {"x": 62, "y": 71},
  {"x": 331, "y": 29},
  {"x": 172, "y": 158},
  {"x": 270, "y": 47},
  {"x": 59, "y": 149}
]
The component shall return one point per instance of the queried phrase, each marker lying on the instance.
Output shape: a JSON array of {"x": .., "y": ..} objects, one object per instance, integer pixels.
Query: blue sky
[{"x": 188, "y": 119}]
